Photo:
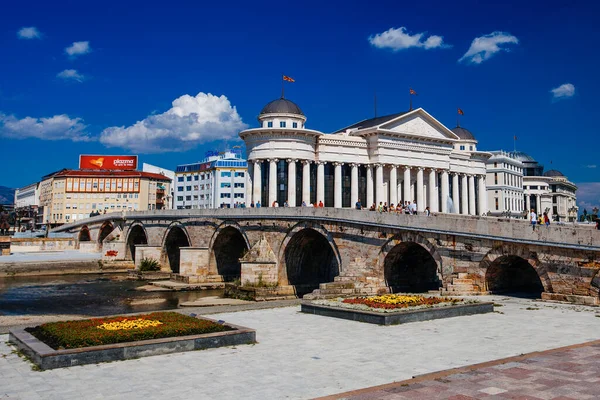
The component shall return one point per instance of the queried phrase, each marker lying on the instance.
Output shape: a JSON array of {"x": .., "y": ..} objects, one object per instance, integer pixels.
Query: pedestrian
[
  {"x": 303, "y": 203},
  {"x": 380, "y": 206},
  {"x": 372, "y": 208},
  {"x": 533, "y": 219},
  {"x": 252, "y": 205},
  {"x": 546, "y": 219},
  {"x": 427, "y": 211},
  {"x": 258, "y": 204},
  {"x": 321, "y": 205},
  {"x": 358, "y": 205},
  {"x": 385, "y": 207}
]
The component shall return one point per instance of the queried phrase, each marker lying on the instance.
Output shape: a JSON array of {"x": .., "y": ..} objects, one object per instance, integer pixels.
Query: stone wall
[{"x": 42, "y": 244}]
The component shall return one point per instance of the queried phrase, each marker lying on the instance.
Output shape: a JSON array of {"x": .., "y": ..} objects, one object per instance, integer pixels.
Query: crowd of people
[{"x": 407, "y": 208}]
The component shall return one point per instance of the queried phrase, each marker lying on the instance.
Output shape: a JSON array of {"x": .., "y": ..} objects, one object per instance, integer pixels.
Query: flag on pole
[
  {"x": 412, "y": 92},
  {"x": 515, "y": 137},
  {"x": 461, "y": 112},
  {"x": 288, "y": 79}
]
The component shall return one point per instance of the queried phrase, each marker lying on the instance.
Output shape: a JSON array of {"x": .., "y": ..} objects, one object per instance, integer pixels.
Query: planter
[
  {"x": 47, "y": 358},
  {"x": 400, "y": 317}
]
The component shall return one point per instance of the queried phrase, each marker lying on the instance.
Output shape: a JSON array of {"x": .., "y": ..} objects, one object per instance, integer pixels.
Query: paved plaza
[{"x": 302, "y": 356}]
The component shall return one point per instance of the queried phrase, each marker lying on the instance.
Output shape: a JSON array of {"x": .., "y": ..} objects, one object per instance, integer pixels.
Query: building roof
[
  {"x": 371, "y": 122},
  {"x": 553, "y": 173},
  {"x": 50, "y": 175},
  {"x": 463, "y": 133},
  {"x": 281, "y": 106},
  {"x": 106, "y": 173},
  {"x": 523, "y": 157}
]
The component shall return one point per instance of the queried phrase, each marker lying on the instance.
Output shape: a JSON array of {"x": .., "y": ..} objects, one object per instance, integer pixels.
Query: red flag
[
  {"x": 461, "y": 112},
  {"x": 289, "y": 79},
  {"x": 515, "y": 137},
  {"x": 411, "y": 91}
]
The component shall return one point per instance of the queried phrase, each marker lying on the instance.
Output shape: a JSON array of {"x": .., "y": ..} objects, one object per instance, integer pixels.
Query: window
[
  {"x": 195, "y": 177},
  {"x": 195, "y": 197},
  {"x": 238, "y": 195},
  {"x": 226, "y": 174},
  {"x": 294, "y": 124},
  {"x": 495, "y": 178},
  {"x": 270, "y": 124},
  {"x": 189, "y": 178},
  {"x": 180, "y": 179},
  {"x": 195, "y": 187},
  {"x": 496, "y": 199},
  {"x": 188, "y": 197},
  {"x": 495, "y": 165},
  {"x": 471, "y": 148},
  {"x": 179, "y": 198},
  {"x": 226, "y": 184},
  {"x": 238, "y": 185},
  {"x": 225, "y": 195},
  {"x": 180, "y": 188},
  {"x": 239, "y": 174},
  {"x": 462, "y": 147},
  {"x": 282, "y": 124},
  {"x": 188, "y": 188}
]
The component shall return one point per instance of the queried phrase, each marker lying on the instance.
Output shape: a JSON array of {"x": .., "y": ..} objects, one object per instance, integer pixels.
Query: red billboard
[{"x": 108, "y": 162}]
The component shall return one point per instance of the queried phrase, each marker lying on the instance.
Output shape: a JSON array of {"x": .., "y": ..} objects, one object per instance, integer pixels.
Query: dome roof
[
  {"x": 553, "y": 173},
  {"x": 463, "y": 133},
  {"x": 282, "y": 106},
  {"x": 523, "y": 157}
]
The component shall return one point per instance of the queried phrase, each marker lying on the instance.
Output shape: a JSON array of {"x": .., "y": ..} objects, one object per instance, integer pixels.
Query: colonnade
[{"x": 392, "y": 191}]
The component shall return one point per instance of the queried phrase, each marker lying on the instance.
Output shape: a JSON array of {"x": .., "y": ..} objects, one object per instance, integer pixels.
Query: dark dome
[
  {"x": 523, "y": 157},
  {"x": 553, "y": 173},
  {"x": 282, "y": 106},
  {"x": 463, "y": 133}
]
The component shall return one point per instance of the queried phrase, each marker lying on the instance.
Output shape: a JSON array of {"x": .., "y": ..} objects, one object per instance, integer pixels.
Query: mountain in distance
[{"x": 7, "y": 195}]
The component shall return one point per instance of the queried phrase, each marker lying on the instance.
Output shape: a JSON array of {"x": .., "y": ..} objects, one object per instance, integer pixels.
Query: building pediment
[{"x": 418, "y": 123}]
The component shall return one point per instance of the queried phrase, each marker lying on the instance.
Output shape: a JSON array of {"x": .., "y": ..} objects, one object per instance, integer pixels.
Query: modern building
[
  {"x": 505, "y": 185},
  {"x": 169, "y": 202},
  {"x": 217, "y": 181},
  {"x": 27, "y": 200},
  {"x": 548, "y": 191},
  {"x": 408, "y": 156}
]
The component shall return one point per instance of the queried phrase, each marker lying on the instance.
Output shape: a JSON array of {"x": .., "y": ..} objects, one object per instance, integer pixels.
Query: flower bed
[
  {"x": 395, "y": 309},
  {"x": 102, "y": 331}
]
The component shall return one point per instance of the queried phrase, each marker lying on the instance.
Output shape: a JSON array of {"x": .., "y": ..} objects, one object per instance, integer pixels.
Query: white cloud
[
  {"x": 484, "y": 47},
  {"x": 71, "y": 74},
  {"x": 591, "y": 166},
  {"x": 58, "y": 127},
  {"x": 191, "y": 121},
  {"x": 564, "y": 91},
  {"x": 29, "y": 32},
  {"x": 78, "y": 48},
  {"x": 399, "y": 39},
  {"x": 588, "y": 195}
]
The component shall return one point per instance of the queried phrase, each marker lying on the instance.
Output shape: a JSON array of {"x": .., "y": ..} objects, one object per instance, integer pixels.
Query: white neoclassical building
[
  {"x": 505, "y": 185},
  {"x": 408, "y": 156}
]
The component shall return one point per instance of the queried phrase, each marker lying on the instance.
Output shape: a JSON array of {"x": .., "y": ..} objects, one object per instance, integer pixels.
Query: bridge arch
[
  {"x": 515, "y": 271},
  {"x": 105, "y": 230},
  {"x": 84, "y": 234},
  {"x": 136, "y": 235},
  {"x": 411, "y": 264},
  {"x": 308, "y": 256},
  {"x": 228, "y": 244},
  {"x": 176, "y": 236}
]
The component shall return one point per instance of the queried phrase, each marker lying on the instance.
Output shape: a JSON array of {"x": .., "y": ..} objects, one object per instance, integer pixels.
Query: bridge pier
[{"x": 146, "y": 251}]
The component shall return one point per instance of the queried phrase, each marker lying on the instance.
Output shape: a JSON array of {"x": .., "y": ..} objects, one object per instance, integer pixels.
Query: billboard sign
[{"x": 108, "y": 162}]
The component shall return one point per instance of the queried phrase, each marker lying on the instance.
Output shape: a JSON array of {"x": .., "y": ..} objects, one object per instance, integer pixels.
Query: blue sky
[{"x": 81, "y": 77}]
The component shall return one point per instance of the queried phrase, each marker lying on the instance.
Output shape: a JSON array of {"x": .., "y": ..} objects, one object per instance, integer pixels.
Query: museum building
[{"x": 394, "y": 159}]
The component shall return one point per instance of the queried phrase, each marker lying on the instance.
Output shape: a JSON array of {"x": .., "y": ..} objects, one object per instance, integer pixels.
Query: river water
[{"x": 96, "y": 294}]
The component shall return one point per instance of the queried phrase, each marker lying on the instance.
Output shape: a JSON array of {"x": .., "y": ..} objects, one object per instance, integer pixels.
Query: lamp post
[{"x": 573, "y": 213}]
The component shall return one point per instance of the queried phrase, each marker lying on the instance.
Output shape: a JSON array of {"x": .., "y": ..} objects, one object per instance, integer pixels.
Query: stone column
[
  {"x": 464, "y": 201},
  {"x": 445, "y": 189},
  {"x": 472, "y": 210},
  {"x": 528, "y": 202},
  {"x": 320, "y": 182},
  {"x": 483, "y": 208},
  {"x": 538, "y": 202},
  {"x": 337, "y": 185},
  {"x": 257, "y": 180},
  {"x": 306, "y": 182},
  {"x": 420, "y": 199},
  {"x": 378, "y": 184},
  {"x": 455, "y": 193},
  {"x": 369, "y": 185},
  {"x": 272, "y": 182},
  {"x": 431, "y": 190},
  {"x": 393, "y": 185},
  {"x": 249, "y": 184},
  {"x": 407, "y": 194},
  {"x": 291, "y": 183},
  {"x": 354, "y": 185}
]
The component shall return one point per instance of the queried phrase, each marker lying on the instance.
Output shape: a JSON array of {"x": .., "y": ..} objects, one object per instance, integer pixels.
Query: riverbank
[{"x": 56, "y": 263}]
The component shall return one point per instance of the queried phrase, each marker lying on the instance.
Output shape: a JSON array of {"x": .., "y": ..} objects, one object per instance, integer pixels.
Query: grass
[{"x": 85, "y": 333}]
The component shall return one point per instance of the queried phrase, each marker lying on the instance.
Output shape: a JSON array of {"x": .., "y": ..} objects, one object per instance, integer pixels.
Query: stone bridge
[{"x": 346, "y": 251}]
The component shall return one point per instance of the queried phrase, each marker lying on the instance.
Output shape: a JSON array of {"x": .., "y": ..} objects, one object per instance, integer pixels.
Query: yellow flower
[{"x": 128, "y": 324}]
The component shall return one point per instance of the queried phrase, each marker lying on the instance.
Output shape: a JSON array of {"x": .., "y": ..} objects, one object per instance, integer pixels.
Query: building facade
[
  {"x": 549, "y": 191},
  {"x": 26, "y": 204},
  {"x": 217, "y": 181},
  {"x": 74, "y": 194},
  {"x": 394, "y": 159},
  {"x": 169, "y": 204},
  {"x": 505, "y": 185}
]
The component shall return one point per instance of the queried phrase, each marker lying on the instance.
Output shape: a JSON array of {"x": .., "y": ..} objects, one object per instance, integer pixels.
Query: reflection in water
[{"x": 95, "y": 294}]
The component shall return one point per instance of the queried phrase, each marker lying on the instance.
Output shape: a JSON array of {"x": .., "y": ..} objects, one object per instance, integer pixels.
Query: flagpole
[
  {"x": 457, "y": 118},
  {"x": 282, "y": 87},
  {"x": 514, "y": 143},
  {"x": 410, "y": 97}
]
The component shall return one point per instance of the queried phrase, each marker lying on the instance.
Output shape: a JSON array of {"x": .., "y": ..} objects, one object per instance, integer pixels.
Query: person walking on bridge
[{"x": 533, "y": 219}]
